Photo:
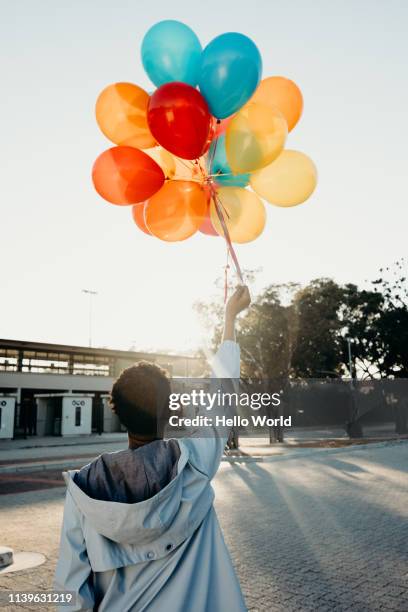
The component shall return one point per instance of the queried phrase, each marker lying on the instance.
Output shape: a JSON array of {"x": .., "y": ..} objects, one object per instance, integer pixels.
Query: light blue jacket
[{"x": 164, "y": 553}]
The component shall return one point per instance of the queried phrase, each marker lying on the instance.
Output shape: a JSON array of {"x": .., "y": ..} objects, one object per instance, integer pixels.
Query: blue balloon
[
  {"x": 231, "y": 68},
  {"x": 171, "y": 51},
  {"x": 221, "y": 168}
]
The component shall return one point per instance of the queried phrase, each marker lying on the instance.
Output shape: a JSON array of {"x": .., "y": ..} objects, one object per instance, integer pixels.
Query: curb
[
  {"x": 40, "y": 467},
  {"x": 8, "y": 445},
  {"x": 350, "y": 448},
  {"x": 287, "y": 455},
  {"x": 25, "y": 468}
]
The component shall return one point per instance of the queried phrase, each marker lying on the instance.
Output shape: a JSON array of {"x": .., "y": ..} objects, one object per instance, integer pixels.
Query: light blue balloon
[
  {"x": 231, "y": 68},
  {"x": 171, "y": 51},
  {"x": 220, "y": 166}
]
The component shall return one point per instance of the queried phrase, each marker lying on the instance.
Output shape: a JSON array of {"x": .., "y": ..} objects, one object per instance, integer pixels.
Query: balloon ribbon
[
  {"x": 227, "y": 266},
  {"x": 220, "y": 214}
]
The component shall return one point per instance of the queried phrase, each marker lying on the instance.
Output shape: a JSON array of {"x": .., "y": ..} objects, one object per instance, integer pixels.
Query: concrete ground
[
  {"x": 308, "y": 530},
  {"x": 57, "y": 453}
]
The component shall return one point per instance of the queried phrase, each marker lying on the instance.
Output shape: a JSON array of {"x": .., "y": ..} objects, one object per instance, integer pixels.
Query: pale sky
[{"x": 349, "y": 58}]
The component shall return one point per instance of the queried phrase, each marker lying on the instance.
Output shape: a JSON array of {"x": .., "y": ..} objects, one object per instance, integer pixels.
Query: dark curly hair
[{"x": 140, "y": 398}]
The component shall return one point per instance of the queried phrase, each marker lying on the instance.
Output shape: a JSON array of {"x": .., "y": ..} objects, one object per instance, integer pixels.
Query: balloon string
[
  {"x": 184, "y": 163},
  {"x": 202, "y": 170},
  {"x": 226, "y": 278},
  {"x": 190, "y": 166},
  {"x": 212, "y": 155},
  {"x": 220, "y": 174},
  {"x": 220, "y": 214}
]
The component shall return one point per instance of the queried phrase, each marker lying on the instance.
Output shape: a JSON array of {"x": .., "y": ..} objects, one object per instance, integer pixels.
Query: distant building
[{"x": 39, "y": 375}]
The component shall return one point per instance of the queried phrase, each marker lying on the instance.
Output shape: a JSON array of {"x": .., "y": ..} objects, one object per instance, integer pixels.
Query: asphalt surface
[{"x": 308, "y": 531}]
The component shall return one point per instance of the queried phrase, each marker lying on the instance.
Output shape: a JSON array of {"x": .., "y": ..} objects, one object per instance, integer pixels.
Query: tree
[
  {"x": 318, "y": 350},
  {"x": 266, "y": 335},
  {"x": 377, "y": 322},
  {"x": 391, "y": 350},
  {"x": 302, "y": 332},
  {"x": 359, "y": 312}
]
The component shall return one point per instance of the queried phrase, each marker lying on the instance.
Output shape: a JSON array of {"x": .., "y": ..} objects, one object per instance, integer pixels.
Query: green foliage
[
  {"x": 318, "y": 349},
  {"x": 265, "y": 336},
  {"x": 303, "y": 332}
]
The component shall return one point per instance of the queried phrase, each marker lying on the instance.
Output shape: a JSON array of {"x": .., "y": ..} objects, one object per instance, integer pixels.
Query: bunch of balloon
[{"x": 201, "y": 150}]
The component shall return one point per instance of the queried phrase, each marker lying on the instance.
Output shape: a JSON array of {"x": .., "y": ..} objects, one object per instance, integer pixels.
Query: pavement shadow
[
  {"x": 284, "y": 554},
  {"x": 339, "y": 536}
]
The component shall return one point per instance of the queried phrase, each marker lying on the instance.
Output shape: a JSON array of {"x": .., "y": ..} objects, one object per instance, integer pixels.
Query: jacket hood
[{"x": 131, "y": 496}]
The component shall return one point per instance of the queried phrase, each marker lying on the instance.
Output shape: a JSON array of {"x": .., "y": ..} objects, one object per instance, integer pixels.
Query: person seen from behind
[{"x": 140, "y": 532}]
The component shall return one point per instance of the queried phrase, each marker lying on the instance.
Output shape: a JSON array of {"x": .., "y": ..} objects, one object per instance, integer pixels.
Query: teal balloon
[
  {"x": 220, "y": 166},
  {"x": 171, "y": 51},
  {"x": 231, "y": 68}
]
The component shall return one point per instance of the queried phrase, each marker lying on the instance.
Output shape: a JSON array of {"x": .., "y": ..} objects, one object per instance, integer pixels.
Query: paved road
[{"x": 318, "y": 532}]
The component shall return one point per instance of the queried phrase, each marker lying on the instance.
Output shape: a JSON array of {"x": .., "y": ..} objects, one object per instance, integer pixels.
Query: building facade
[{"x": 35, "y": 378}]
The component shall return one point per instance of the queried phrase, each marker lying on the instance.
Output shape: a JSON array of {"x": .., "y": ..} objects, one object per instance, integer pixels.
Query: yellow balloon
[
  {"x": 287, "y": 181},
  {"x": 255, "y": 137},
  {"x": 165, "y": 160},
  {"x": 174, "y": 167},
  {"x": 243, "y": 212},
  {"x": 121, "y": 113}
]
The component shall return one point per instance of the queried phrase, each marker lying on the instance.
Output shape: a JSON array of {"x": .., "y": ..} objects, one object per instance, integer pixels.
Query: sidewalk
[{"x": 53, "y": 453}]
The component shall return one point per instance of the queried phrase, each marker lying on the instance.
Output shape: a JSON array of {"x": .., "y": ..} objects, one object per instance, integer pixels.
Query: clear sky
[{"x": 349, "y": 57}]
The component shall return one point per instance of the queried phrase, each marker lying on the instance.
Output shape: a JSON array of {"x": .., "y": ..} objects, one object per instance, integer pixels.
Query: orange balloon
[
  {"x": 124, "y": 175},
  {"x": 138, "y": 217},
  {"x": 283, "y": 94},
  {"x": 176, "y": 211},
  {"x": 121, "y": 113}
]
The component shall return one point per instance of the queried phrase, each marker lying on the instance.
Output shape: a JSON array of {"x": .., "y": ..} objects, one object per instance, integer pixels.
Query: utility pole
[
  {"x": 354, "y": 427},
  {"x": 91, "y": 294},
  {"x": 350, "y": 360}
]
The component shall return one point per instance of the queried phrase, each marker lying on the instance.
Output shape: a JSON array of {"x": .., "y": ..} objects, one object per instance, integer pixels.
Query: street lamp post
[{"x": 91, "y": 294}]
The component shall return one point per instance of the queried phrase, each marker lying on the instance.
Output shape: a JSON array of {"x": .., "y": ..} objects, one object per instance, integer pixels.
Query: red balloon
[
  {"x": 125, "y": 175},
  {"x": 138, "y": 211},
  {"x": 211, "y": 134},
  {"x": 207, "y": 227},
  {"x": 179, "y": 119}
]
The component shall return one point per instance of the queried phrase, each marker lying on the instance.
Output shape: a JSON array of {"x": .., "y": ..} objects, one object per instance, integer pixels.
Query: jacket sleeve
[
  {"x": 73, "y": 572},
  {"x": 205, "y": 452}
]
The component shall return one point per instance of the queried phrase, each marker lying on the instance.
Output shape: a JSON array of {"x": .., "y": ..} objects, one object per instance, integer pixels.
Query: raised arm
[
  {"x": 238, "y": 301},
  {"x": 206, "y": 452},
  {"x": 226, "y": 361}
]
